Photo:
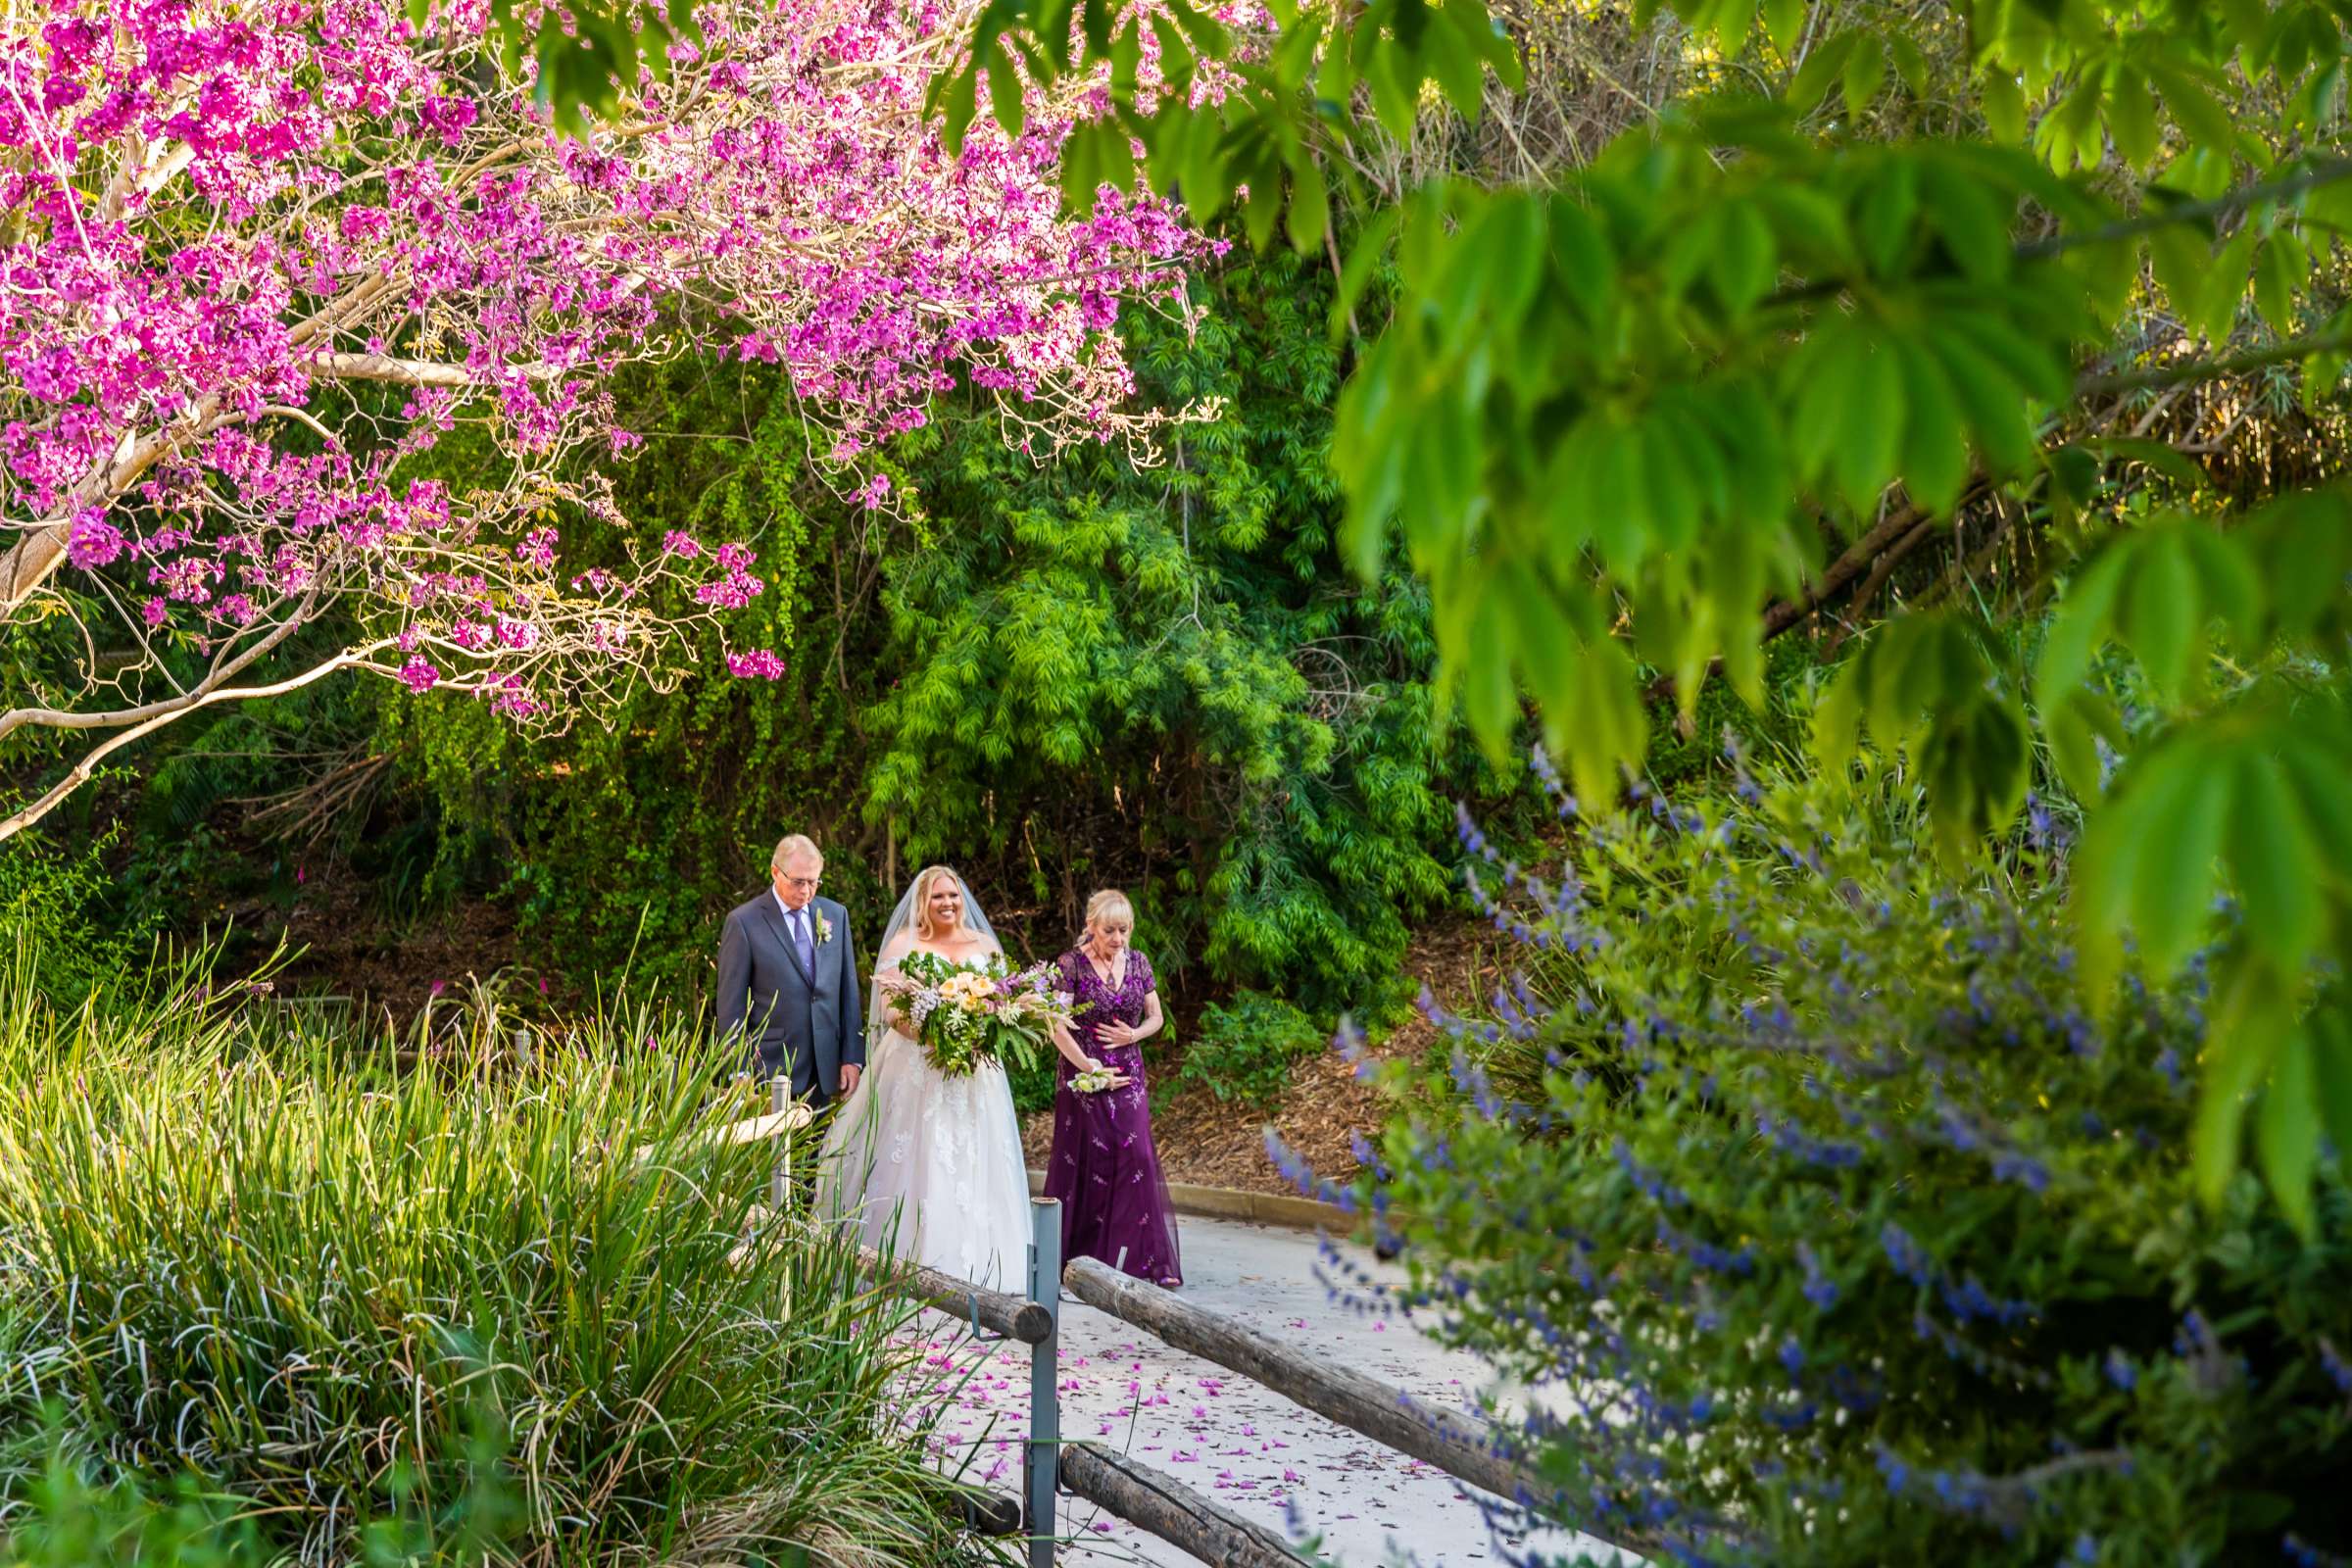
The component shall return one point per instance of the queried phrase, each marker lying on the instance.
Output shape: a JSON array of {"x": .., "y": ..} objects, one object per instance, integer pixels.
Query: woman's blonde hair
[
  {"x": 921, "y": 911},
  {"x": 1108, "y": 901}
]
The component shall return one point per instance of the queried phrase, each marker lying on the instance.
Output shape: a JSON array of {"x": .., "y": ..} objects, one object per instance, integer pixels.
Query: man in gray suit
[{"x": 788, "y": 981}]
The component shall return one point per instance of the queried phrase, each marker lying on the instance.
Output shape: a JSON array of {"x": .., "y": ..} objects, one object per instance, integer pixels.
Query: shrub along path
[{"x": 1249, "y": 1449}]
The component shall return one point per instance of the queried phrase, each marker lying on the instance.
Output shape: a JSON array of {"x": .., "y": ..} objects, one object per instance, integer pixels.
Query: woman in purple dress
[{"x": 1103, "y": 1168}]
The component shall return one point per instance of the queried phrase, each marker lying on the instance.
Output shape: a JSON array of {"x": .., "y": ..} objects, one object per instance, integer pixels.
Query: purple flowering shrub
[{"x": 1832, "y": 1221}]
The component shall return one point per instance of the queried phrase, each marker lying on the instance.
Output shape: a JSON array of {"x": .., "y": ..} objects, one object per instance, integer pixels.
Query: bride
[{"x": 928, "y": 1166}]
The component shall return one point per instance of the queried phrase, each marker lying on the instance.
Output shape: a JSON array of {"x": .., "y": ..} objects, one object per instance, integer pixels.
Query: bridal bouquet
[{"x": 964, "y": 1014}]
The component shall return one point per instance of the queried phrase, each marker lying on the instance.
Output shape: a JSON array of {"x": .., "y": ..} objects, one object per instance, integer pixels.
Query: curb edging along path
[{"x": 1232, "y": 1203}]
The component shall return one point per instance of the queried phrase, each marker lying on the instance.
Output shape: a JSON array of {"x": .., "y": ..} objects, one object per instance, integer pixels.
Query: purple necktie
[{"x": 800, "y": 933}]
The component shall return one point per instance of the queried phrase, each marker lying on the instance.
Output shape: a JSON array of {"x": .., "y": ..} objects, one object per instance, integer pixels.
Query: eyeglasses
[{"x": 806, "y": 884}]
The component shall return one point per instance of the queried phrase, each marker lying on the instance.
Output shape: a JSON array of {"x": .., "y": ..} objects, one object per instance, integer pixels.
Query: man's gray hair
[{"x": 792, "y": 844}]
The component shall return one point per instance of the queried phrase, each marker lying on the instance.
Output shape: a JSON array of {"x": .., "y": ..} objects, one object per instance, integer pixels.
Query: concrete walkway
[{"x": 1249, "y": 1449}]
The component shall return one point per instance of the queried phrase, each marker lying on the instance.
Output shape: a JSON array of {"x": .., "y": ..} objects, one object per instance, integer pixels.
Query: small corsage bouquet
[
  {"x": 1093, "y": 1083},
  {"x": 967, "y": 1013}
]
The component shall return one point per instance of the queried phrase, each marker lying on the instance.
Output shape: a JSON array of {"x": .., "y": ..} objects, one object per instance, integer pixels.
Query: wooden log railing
[
  {"x": 1012, "y": 1316},
  {"x": 1155, "y": 1500},
  {"x": 1461, "y": 1443}
]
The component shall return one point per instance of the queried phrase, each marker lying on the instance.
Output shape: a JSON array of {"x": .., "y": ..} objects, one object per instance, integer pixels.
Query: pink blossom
[
  {"x": 216, "y": 221},
  {"x": 94, "y": 541},
  {"x": 757, "y": 662},
  {"x": 731, "y": 592}
]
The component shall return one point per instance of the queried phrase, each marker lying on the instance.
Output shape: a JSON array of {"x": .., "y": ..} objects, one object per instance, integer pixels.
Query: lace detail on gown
[{"x": 930, "y": 1167}]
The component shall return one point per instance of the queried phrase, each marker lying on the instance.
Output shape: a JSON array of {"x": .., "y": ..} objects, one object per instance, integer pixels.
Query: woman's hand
[{"x": 1112, "y": 1032}]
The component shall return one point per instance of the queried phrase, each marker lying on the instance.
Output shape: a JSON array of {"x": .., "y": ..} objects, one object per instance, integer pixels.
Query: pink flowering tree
[{"x": 262, "y": 255}]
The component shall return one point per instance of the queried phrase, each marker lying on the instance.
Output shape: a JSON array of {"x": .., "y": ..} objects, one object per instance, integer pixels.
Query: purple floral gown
[{"x": 1103, "y": 1167}]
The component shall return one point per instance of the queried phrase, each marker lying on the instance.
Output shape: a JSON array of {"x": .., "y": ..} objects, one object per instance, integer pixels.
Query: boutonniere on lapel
[{"x": 824, "y": 929}]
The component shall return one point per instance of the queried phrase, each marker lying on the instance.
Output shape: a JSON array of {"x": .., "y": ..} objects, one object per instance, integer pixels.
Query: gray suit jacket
[{"x": 786, "y": 1019}]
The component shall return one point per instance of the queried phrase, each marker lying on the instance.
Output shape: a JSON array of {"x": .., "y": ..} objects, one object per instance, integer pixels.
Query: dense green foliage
[
  {"x": 1815, "y": 1171},
  {"x": 1866, "y": 270},
  {"x": 1058, "y": 678},
  {"x": 54, "y": 909},
  {"x": 413, "y": 1313},
  {"x": 1243, "y": 1051}
]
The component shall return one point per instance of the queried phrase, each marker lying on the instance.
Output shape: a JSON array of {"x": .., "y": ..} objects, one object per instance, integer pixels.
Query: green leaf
[
  {"x": 2072, "y": 725},
  {"x": 2068, "y": 136},
  {"x": 1935, "y": 442},
  {"x": 1263, "y": 210},
  {"x": 2163, "y": 612},
  {"x": 1837, "y": 719},
  {"x": 1822, "y": 66},
  {"x": 2077, "y": 630},
  {"x": 2195, "y": 110},
  {"x": 2286, "y": 1131},
  {"x": 1996, "y": 411},
  {"x": 1539, "y": 638},
  {"x": 1586, "y": 264},
  {"x": 2277, "y": 274},
  {"x": 2131, "y": 118},
  {"x": 2272, "y": 858},
  {"x": 2004, "y": 106},
  {"x": 1888, "y": 205},
  {"x": 1745, "y": 262},
  {"x": 1310, "y": 204},
  {"x": 1394, "y": 90},
  {"x": 1453, "y": 61},
  {"x": 1865, "y": 454},
  {"x": 1976, "y": 762},
  {"x": 2172, "y": 904},
  {"x": 959, "y": 101},
  {"x": 1006, "y": 90},
  {"x": 1364, "y": 257},
  {"x": 2331, "y": 1036},
  {"x": 1493, "y": 703},
  {"x": 1909, "y": 63},
  {"x": 1082, "y": 166},
  {"x": 2182, "y": 257},
  {"x": 1611, "y": 730},
  {"x": 1674, "y": 496},
  {"x": 1493, "y": 43},
  {"x": 1512, "y": 234},
  {"x": 1973, "y": 221},
  {"x": 1865, "y": 73},
  {"x": 2235, "y": 1064}
]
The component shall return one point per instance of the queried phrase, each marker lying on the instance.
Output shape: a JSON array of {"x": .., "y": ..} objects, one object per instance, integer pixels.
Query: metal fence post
[
  {"x": 1040, "y": 1458},
  {"x": 779, "y": 1099}
]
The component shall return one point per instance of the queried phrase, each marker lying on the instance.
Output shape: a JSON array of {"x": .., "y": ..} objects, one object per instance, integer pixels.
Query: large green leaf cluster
[
  {"x": 1835, "y": 1223},
  {"x": 1876, "y": 267}
]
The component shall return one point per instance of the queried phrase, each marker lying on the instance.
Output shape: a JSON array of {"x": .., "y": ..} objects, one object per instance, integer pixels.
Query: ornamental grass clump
[
  {"x": 1832, "y": 1221},
  {"x": 374, "y": 1303}
]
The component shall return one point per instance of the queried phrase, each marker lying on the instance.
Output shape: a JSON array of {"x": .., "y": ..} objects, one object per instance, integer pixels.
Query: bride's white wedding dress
[{"x": 929, "y": 1167}]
